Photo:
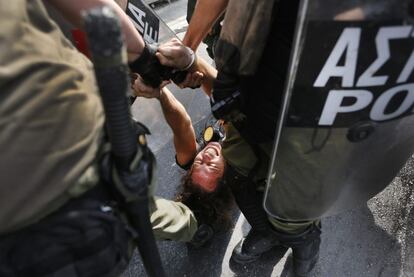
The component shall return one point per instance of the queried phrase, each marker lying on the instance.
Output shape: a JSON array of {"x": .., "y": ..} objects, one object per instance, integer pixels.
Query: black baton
[{"x": 132, "y": 159}]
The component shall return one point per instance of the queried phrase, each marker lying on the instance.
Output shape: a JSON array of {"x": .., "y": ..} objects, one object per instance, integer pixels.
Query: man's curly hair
[{"x": 212, "y": 208}]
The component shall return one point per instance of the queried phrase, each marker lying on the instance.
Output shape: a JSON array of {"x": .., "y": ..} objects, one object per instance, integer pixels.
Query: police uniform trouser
[{"x": 241, "y": 159}]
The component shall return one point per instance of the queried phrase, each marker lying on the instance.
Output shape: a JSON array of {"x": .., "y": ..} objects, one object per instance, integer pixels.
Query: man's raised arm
[
  {"x": 176, "y": 117},
  {"x": 181, "y": 126}
]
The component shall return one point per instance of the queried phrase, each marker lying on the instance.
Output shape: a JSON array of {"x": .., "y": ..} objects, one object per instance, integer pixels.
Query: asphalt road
[{"x": 376, "y": 239}]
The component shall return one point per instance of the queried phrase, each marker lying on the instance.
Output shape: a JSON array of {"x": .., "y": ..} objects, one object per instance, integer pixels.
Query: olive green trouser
[
  {"x": 171, "y": 220},
  {"x": 239, "y": 155}
]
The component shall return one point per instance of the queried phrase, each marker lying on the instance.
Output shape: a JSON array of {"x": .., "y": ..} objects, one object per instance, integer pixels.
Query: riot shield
[{"x": 346, "y": 125}]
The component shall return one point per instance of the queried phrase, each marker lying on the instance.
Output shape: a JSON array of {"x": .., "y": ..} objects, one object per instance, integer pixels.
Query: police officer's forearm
[
  {"x": 71, "y": 10},
  {"x": 181, "y": 126},
  {"x": 205, "y": 15}
]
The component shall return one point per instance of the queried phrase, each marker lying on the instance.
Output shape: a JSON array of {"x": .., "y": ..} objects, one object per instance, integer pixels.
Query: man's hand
[
  {"x": 142, "y": 90},
  {"x": 175, "y": 54}
]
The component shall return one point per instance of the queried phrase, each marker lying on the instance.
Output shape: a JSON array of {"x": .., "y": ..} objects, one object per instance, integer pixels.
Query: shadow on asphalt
[{"x": 354, "y": 245}]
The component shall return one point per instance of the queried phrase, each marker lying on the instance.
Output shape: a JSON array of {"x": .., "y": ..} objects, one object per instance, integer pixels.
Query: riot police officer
[
  {"x": 250, "y": 83},
  {"x": 56, "y": 216}
]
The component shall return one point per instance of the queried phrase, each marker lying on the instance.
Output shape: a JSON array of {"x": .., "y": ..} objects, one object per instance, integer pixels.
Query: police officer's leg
[
  {"x": 303, "y": 238},
  {"x": 241, "y": 159},
  {"x": 267, "y": 233},
  {"x": 260, "y": 239},
  {"x": 172, "y": 220}
]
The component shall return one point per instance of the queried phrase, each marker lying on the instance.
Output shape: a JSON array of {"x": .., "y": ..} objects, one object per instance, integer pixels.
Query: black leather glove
[
  {"x": 152, "y": 71},
  {"x": 225, "y": 101},
  {"x": 149, "y": 67}
]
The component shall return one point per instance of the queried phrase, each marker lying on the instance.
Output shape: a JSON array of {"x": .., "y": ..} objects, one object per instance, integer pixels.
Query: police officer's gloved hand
[
  {"x": 149, "y": 67},
  {"x": 225, "y": 101}
]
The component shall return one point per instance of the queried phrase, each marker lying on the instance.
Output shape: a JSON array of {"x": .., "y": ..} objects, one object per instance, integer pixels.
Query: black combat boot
[
  {"x": 305, "y": 248},
  {"x": 305, "y": 257},
  {"x": 251, "y": 247},
  {"x": 203, "y": 235}
]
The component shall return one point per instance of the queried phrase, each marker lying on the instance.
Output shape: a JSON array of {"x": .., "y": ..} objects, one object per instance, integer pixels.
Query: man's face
[{"x": 208, "y": 167}]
